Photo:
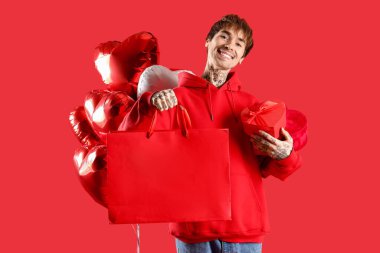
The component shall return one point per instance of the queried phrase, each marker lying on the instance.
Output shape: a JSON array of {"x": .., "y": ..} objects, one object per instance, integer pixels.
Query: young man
[{"x": 215, "y": 101}]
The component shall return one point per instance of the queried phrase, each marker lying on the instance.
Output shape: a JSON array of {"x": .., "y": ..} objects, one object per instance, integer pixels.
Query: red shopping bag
[{"x": 175, "y": 175}]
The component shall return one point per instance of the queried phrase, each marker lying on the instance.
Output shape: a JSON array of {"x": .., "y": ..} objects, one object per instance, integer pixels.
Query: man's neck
[{"x": 215, "y": 76}]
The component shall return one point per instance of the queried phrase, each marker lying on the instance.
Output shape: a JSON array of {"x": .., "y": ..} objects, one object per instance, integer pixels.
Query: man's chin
[{"x": 225, "y": 67}]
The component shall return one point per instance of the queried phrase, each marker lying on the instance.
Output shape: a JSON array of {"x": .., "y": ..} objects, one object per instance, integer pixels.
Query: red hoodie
[{"x": 212, "y": 107}]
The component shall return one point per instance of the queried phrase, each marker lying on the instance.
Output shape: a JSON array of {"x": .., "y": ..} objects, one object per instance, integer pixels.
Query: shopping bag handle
[{"x": 183, "y": 121}]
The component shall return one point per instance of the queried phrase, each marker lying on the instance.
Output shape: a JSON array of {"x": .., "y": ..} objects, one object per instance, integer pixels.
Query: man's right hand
[{"x": 164, "y": 99}]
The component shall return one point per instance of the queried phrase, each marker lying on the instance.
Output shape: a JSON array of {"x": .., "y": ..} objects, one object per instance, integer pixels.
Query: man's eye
[
  {"x": 223, "y": 36},
  {"x": 238, "y": 44}
]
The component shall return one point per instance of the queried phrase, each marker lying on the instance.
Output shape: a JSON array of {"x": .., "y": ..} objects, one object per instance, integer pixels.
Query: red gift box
[{"x": 268, "y": 116}]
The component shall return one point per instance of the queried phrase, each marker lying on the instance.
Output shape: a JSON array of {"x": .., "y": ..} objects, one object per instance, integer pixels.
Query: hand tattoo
[{"x": 273, "y": 147}]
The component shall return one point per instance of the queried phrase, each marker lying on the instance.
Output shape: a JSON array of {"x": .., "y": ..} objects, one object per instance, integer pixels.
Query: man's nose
[
  {"x": 229, "y": 44},
  {"x": 228, "y": 47}
]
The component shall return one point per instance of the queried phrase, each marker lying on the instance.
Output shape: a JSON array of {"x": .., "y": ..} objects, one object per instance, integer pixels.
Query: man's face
[{"x": 226, "y": 49}]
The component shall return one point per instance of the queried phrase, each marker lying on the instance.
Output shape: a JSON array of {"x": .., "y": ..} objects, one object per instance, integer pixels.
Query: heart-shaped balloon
[
  {"x": 134, "y": 54},
  {"x": 92, "y": 99},
  {"x": 93, "y": 172},
  {"x": 82, "y": 128},
  {"x": 113, "y": 76},
  {"x": 105, "y": 48},
  {"x": 158, "y": 77},
  {"x": 106, "y": 109},
  {"x": 79, "y": 155}
]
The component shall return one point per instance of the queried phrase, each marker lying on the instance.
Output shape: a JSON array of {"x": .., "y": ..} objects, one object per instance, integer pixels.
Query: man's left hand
[{"x": 275, "y": 148}]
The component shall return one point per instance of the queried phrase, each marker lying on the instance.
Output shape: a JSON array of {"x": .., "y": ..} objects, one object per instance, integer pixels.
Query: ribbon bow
[{"x": 256, "y": 115}]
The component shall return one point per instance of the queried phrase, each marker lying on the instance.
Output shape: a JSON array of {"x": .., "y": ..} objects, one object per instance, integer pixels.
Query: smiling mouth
[{"x": 225, "y": 55}]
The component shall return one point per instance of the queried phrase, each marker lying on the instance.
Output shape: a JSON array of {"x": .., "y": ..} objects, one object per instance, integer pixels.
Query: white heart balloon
[{"x": 156, "y": 78}]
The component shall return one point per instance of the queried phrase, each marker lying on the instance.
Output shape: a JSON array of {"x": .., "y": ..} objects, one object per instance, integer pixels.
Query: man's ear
[
  {"x": 206, "y": 44},
  {"x": 241, "y": 60}
]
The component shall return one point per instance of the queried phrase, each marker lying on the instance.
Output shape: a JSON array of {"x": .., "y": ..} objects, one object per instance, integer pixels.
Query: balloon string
[{"x": 138, "y": 236}]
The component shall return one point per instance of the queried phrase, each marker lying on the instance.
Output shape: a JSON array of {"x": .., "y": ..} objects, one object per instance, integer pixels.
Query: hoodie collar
[
  {"x": 186, "y": 79},
  {"x": 232, "y": 83}
]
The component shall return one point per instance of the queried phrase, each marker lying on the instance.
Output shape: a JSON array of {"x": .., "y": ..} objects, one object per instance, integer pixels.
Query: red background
[{"x": 319, "y": 57}]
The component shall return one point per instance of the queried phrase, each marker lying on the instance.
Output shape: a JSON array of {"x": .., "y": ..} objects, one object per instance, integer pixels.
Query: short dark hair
[{"x": 233, "y": 20}]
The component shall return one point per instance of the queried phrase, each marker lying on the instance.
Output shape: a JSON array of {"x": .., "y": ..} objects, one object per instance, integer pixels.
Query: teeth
[{"x": 225, "y": 54}]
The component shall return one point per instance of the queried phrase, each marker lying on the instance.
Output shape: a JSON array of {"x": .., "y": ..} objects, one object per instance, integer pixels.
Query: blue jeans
[{"x": 218, "y": 246}]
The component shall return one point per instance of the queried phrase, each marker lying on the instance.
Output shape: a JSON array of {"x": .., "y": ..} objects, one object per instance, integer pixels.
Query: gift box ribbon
[{"x": 256, "y": 116}]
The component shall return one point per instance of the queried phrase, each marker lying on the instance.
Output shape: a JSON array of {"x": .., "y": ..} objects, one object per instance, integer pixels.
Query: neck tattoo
[{"x": 216, "y": 76}]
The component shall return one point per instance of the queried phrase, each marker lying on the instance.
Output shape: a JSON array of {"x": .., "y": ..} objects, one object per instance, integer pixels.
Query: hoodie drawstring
[
  {"x": 233, "y": 103},
  {"x": 210, "y": 107},
  {"x": 210, "y": 102}
]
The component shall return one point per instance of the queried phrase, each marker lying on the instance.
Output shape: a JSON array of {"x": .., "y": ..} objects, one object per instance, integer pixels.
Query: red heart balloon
[
  {"x": 106, "y": 110},
  {"x": 79, "y": 155},
  {"x": 92, "y": 100},
  {"x": 82, "y": 128},
  {"x": 105, "y": 48},
  {"x": 134, "y": 54},
  {"x": 121, "y": 63},
  {"x": 111, "y": 75},
  {"x": 93, "y": 172}
]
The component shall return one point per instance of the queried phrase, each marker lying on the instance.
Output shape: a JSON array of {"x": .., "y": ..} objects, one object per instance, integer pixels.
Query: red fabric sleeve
[
  {"x": 280, "y": 169},
  {"x": 147, "y": 97}
]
